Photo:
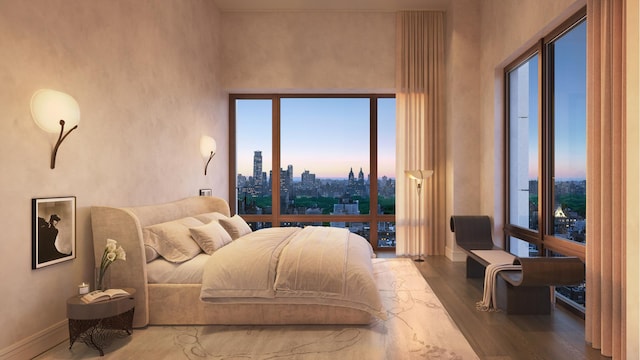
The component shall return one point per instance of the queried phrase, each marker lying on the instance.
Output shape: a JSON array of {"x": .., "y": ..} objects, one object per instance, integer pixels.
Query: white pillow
[
  {"x": 210, "y": 237},
  {"x": 150, "y": 253},
  {"x": 172, "y": 239},
  {"x": 235, "y": 226},
  {"x": 209, "y": 217}
]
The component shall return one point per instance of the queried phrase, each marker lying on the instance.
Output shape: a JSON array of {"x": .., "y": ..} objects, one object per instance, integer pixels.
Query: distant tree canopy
[
  {"x": 387, "y": 204},
  {"x": 575, "y": 202}
]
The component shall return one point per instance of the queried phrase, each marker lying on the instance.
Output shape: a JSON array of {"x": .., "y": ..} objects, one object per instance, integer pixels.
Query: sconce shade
[
  {"x": 48, "y": 107},
  {"x": 207, "y": 149},
  {"x": 207, "y": 146},
  {"x": 418, "y": 174}
]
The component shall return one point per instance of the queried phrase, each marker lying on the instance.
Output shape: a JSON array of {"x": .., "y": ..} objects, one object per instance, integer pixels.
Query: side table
[{"x": 94, "y": 324}]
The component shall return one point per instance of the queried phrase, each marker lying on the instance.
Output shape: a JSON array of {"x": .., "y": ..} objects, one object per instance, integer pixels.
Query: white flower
[
  {"x": 111, "y": 256},
  {"x": 111, "y": 245},
  {"x": 112, "y": 252},
  {"x": 120, "y": 254}
]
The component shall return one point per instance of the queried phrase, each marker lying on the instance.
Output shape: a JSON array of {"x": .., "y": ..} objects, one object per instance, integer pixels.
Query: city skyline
[
  {"x": 322, "y": 135},
  {"x": 298, "y": 174}
]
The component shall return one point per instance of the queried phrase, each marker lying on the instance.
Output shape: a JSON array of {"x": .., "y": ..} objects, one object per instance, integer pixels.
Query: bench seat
[
  {"x": 526, "y": 291},
  {"x": 473, "y": 233},
  {"x": 546, "y": 271}
]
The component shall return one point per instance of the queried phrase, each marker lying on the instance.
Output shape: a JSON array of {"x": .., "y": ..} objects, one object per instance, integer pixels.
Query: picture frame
[
  {"x": 205, "y": 192},
  {"x": 53, "y": 230}
]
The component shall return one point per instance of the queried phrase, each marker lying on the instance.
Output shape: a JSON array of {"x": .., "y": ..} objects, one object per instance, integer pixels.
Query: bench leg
[
  {"x": 522, "y": 300},
  {"x": 475, "y": 270}
]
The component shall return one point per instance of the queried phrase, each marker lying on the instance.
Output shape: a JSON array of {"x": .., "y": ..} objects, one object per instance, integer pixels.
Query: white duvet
[{"x": 314, "y": 265}]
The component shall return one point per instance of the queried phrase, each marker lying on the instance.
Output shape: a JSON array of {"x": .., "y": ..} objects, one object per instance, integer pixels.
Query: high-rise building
[
  {"x": 308, "y": 179},
  {"x": 257, "y": 171}
]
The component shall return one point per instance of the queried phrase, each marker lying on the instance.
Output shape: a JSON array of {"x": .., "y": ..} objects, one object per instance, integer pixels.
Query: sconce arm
[
  {"x": 60, "y": 139},
  {"x": 208, "y": 161}
]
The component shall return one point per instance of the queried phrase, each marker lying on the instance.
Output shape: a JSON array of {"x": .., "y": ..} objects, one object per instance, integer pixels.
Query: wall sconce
[
  {"x": 207, "y": 149},
  {"x": 419, "y": 176},
  {"x": 52, "y": 110}
]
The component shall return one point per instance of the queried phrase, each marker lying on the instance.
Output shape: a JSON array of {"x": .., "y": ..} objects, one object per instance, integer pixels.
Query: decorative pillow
[
  {"x": 210, "y": 237},
  {"x": 209, "y": 217},
  {"x": 150, "y": 253},
  {"x": 172, "y": 239},
  {"x": 235, "y": 226}
]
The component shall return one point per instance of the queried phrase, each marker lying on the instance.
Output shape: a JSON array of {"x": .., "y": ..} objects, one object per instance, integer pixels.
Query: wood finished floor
[{"x": 496, "y": 335}]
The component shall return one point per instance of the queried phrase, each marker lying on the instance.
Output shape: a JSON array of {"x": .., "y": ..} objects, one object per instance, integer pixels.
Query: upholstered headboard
[{"x": 125, "y": 226}]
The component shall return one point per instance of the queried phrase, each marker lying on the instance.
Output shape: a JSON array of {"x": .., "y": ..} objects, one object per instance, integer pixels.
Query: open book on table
[{"x": 99, "y": 295}]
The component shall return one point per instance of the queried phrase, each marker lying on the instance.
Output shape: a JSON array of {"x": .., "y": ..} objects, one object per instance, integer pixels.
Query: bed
[{"x": 238, "y": 289}]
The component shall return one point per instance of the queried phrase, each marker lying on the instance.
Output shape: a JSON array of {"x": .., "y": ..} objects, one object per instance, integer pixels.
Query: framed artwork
[
  {"x": 205, "y": 192},
  {"x": 53, "y": 230}
]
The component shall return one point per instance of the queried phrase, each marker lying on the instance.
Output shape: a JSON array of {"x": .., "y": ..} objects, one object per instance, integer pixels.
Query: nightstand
[{"x": 97, "y": 323}]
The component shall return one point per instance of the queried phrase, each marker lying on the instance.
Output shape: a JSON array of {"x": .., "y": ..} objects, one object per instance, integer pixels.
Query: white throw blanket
[
  {"x": 314, "y": 265},
  {"x": 305, "y": 261},
  {"x": 488, "y": 302}
]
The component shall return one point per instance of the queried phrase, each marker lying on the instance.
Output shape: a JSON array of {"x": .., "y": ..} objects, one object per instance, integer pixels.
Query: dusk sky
[
  {"x": 570, "y": 107},
  {"x": 327, "y": 136},
  {"x": 570, "y": 104}
]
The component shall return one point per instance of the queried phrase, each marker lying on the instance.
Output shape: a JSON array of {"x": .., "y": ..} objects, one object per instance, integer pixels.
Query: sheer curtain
[
  {"x": 420, "y": 132},
  {"x": 605, "y": 314}
]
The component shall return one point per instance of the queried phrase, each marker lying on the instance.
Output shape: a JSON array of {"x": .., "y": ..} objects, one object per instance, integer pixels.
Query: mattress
[{"x": 160, "y": 271}]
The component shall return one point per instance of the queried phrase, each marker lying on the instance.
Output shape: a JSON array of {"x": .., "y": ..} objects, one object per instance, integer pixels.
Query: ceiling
[{"x": 330, "y": 5}]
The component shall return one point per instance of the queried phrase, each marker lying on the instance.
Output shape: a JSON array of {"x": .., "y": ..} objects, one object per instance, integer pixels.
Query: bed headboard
[{"x": 125, "y": 226}]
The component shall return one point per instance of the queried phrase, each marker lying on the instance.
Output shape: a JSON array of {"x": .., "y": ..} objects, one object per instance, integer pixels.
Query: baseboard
[
  {"x": 455, "y": 255},
  {"x": 38, "y": 343}
]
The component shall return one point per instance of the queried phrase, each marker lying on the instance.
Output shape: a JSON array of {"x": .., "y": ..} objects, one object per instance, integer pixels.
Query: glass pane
[
  {"x": 360, "y": 228},
  {"x": 253, "y": 156},
  {"x": 386, "y": 234},
  {"x": 523, "y": 145},
  {"x": 386, "y": 156},
  {"x": 259, "y": 225},
  {"x": 522, "y": 248},
  {"x": 324, "y": 145},
  {"x": 569, "y": 129},
  {"x": 573, "y": 295}
]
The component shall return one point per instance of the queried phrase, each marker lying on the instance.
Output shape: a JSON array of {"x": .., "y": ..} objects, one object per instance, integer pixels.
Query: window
[
  {"x": 315, "y": 160},
  {"x": 546, "y": 148},
  {"x": 523, "y": 150},
  {"x": 569, "y": 133}
]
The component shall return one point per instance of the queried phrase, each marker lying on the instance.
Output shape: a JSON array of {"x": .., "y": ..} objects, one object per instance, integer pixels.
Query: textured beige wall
[
  {"x": 145, "y": 74},
  {"x": 463, "y": 119},
  {"x": 314, "y": 51}
]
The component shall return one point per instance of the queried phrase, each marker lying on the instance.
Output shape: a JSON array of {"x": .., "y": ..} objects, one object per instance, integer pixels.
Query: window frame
[
  {"x": 510, "y": 230},
  {"x": 543, "y": 238},
  {"x": 276, "y": 218}
]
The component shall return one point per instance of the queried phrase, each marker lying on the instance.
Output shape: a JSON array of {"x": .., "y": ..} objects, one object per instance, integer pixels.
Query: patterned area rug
[{"x": 418, "y": 327}]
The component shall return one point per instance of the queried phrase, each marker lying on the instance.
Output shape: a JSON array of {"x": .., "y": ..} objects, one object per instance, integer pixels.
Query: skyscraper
[{"x": 257, "y": 171}]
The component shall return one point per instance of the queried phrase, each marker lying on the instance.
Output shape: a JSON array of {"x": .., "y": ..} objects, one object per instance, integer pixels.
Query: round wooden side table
[{"x": 95, "y": 324}]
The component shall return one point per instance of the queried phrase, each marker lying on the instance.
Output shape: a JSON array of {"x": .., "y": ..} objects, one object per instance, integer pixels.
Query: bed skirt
[{"x": 174, "y": 304}]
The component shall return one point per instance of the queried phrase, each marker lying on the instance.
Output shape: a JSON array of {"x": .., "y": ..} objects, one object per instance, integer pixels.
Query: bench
[
  {"x": 473, "y": 233},
  {"x": 526, "y": 291}
]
